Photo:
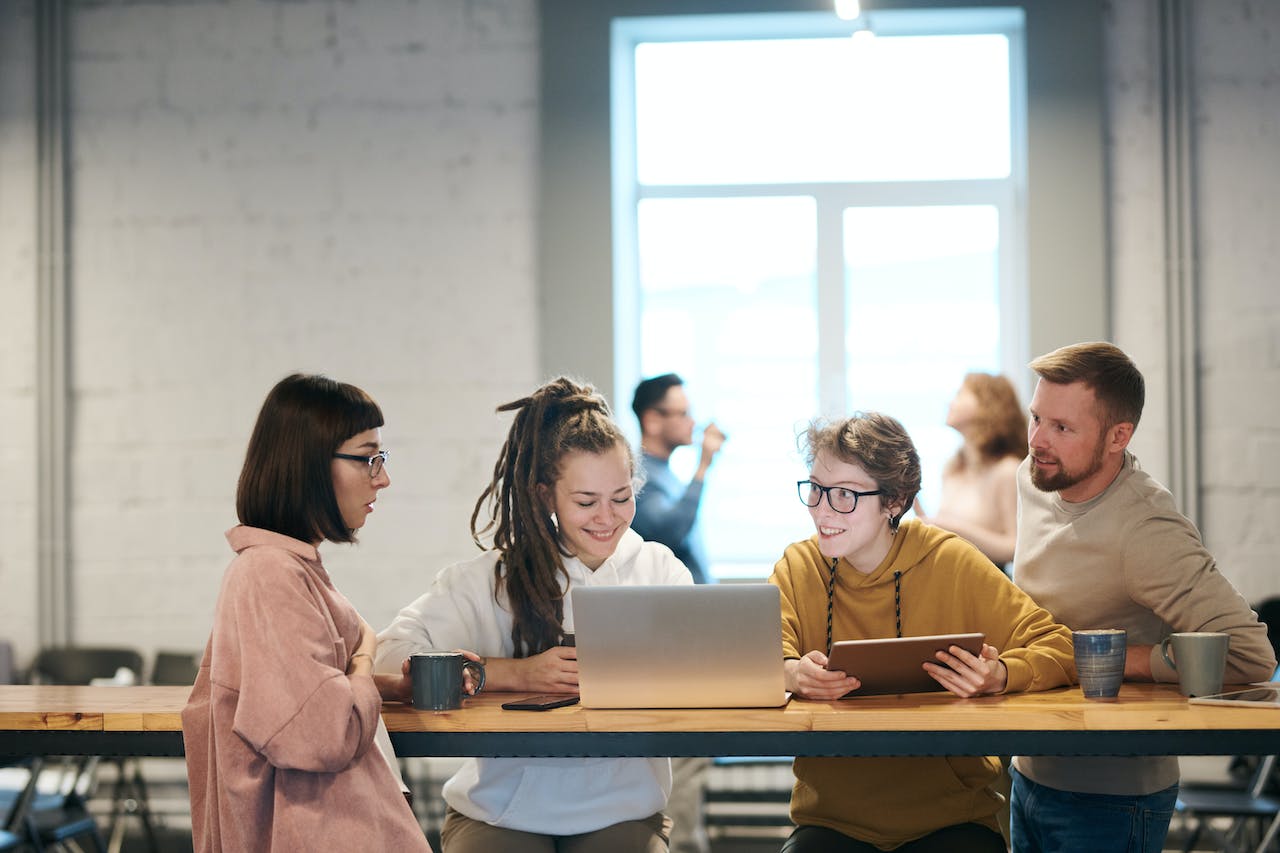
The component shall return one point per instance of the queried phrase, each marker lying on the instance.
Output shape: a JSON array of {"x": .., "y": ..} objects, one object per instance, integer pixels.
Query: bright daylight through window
[{"x": 808, "y": 223}]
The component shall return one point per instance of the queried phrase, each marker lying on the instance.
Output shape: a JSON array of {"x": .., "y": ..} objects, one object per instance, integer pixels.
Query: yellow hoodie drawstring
[{"x": 831, "y": 598}]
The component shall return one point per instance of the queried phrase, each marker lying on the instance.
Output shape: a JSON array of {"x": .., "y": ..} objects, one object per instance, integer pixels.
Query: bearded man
[{"x": 1101, "y": 544}]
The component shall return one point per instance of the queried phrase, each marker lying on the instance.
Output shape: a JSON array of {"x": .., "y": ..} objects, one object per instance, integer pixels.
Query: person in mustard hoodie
[{"x": 868, "y": 574}]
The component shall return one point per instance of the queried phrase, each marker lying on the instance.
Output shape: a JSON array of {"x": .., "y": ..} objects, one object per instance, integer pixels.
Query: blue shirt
[{"x": 667, "y": 512}]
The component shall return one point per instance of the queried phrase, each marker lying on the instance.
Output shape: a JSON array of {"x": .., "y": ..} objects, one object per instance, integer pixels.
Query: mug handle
[
  {"x": 1164, "y": 653},
  {"x": 477, "y": 670}
]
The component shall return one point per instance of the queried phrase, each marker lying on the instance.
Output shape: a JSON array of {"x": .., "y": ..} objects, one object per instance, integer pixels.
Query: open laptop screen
[{"x": 708, "y": 646}]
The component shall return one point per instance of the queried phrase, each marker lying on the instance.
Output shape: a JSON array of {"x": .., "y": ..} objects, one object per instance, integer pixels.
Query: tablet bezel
[
  {"x": 893, "y": 665},
  {"x": 1232, "y": 698}
]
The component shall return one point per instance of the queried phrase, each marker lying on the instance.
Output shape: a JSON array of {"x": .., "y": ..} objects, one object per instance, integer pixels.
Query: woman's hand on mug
[{"x": 470, "y": 685}]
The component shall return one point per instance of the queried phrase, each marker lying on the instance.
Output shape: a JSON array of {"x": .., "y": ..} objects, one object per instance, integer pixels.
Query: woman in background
[
  {"x": 284, "y": 710},
  {"x": 979, "y": 490},
  {"x": 866, "y": 574},
  {"x": 560, "y": 506}
]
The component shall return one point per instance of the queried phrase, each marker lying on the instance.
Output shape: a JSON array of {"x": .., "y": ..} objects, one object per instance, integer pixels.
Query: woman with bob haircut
[
  {"x": 279, "y": 724},
  {"x": 559, "y": 507},
  {"x": 979, "y": 484},
  {"x": 867, "y": 574}
]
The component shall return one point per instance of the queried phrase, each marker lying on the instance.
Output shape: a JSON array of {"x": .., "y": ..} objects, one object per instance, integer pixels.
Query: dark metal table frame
[{"x": 753, "y": 743}]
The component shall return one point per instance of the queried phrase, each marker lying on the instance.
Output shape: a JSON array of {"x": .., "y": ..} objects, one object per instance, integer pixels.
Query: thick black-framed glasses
[
  {"x": 375, "y": 462},
  {"x": 839, "y": 498}
]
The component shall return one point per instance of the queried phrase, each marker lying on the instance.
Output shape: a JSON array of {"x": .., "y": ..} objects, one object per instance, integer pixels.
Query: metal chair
[
  {"x": 1254, "y": 814},
  {"x": 8, "y": 674},
  {"x": 49, "y": 821},
  {"x": 82, "y": 665},
  {"x": 129, "y": 793},
  {"x": 175, "y": 668}
]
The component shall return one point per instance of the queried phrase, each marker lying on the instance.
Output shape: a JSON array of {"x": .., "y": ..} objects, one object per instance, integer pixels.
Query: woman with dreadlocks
[
  {"x": 868, "y": 574},
  {"x": 559, "y": 508}
]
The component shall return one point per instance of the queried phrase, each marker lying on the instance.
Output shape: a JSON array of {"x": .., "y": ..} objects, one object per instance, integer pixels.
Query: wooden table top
[{"x": 1140, "y": 707}]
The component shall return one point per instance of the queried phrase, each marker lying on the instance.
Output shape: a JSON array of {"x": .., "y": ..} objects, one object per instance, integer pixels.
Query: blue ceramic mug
[{"x": 1100, "y": 661}]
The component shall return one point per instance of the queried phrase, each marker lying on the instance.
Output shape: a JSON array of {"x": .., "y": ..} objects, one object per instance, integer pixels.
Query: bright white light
[{"x": 847, "y": 10}]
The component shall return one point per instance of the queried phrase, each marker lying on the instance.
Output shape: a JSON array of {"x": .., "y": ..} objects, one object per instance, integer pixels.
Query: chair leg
[
  {"x": 1193, "y": 837},
  {"x": 129, "y": 797},
  {"x": 1270, "y": 834}
]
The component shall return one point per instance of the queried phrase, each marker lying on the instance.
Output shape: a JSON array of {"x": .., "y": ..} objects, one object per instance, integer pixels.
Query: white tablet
[
  {"x": 893, "y": 665},
  {"x": 1266, "y": 696}
]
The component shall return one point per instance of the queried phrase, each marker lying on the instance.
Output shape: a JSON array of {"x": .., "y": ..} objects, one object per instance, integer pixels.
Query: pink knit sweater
[{"x": 277, "y": 735}]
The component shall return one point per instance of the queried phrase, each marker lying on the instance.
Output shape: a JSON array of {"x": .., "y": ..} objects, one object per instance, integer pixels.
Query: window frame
[
  {"x": 1068, "y": 274},
  {"x": 1007, "y": 194}
]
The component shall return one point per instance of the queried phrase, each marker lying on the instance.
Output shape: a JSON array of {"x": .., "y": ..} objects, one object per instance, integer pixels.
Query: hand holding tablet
[{"x": 895, "y": 664}]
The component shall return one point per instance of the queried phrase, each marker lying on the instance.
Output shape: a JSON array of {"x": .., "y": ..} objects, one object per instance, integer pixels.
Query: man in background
[
  {"x": 667, "y": 512},
  {"x": 1100, "y": 544},
  {"x": 667, "y": 509}
]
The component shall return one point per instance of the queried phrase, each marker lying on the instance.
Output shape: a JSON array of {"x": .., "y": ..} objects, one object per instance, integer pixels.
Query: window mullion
[{"x": 830, "y": 297}]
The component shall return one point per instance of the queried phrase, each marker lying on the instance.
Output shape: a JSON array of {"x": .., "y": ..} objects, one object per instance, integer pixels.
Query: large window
[{"x": 809, "y": 223}]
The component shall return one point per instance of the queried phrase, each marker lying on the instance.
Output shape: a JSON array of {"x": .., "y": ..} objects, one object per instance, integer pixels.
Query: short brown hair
[
  {"x": 286, "y": 484},
  {"x": 880, "y": 445},
  {"x": 1103, "y": 367}
]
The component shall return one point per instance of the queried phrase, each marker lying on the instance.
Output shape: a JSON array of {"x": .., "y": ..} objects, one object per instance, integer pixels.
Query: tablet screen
[{"x": 893, "y": 665}]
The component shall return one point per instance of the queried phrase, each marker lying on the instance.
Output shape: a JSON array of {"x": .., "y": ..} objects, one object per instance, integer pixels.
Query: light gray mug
[
  {"x": 1200, "y": 657},
  {"x": 437, "y": 679}
]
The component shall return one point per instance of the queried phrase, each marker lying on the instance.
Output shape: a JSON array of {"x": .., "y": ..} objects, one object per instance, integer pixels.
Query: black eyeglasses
[
  {"x": 375, "y": 462},
  {"x": 839, "y": 498},
  {"x": 674, "y": 413}
]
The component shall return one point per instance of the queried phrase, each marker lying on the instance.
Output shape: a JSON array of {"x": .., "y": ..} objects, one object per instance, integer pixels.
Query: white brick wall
[
  {"x": 350, "y": 188},
  {"x": 1238, "y": 123},
  {"x": 17, "y": 330},
  {"x": 1235, "y": 73},
  {"x": 268, "y": 187}
]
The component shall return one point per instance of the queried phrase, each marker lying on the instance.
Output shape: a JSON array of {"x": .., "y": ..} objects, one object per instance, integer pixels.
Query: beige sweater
[{"x": 1128, "y": 559}]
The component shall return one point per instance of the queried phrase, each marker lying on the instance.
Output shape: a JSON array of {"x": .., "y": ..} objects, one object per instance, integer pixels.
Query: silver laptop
[{"x": 712, "y": 646}]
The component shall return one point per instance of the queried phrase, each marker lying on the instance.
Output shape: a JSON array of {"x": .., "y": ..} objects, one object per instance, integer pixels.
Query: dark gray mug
[{"x": 437, "y": 679}]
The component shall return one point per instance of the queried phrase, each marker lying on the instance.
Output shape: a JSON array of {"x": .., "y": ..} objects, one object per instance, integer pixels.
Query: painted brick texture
[{"x": 350, "y": 187}]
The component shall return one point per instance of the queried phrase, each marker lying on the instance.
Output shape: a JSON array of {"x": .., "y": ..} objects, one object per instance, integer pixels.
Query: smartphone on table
[{"x": 544, "y": 702}]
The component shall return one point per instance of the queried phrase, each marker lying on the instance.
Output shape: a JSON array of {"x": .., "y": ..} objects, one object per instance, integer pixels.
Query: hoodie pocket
[{"x": 974, "y": 772}]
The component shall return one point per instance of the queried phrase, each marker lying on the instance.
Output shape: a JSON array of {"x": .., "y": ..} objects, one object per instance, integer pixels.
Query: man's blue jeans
[{"x": 1046, "y": 820}]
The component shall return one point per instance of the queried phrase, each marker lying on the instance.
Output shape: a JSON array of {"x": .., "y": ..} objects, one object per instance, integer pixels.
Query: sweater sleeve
[
  {"x": 1168, "y": 569},
  {"x": 455, "y": 613},
  {"x": 296, "y": 704},
  {"x": 1036, "y": 650},
  {"x": 662, "y": 519},
  {"x": 783, "y": 580}
]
